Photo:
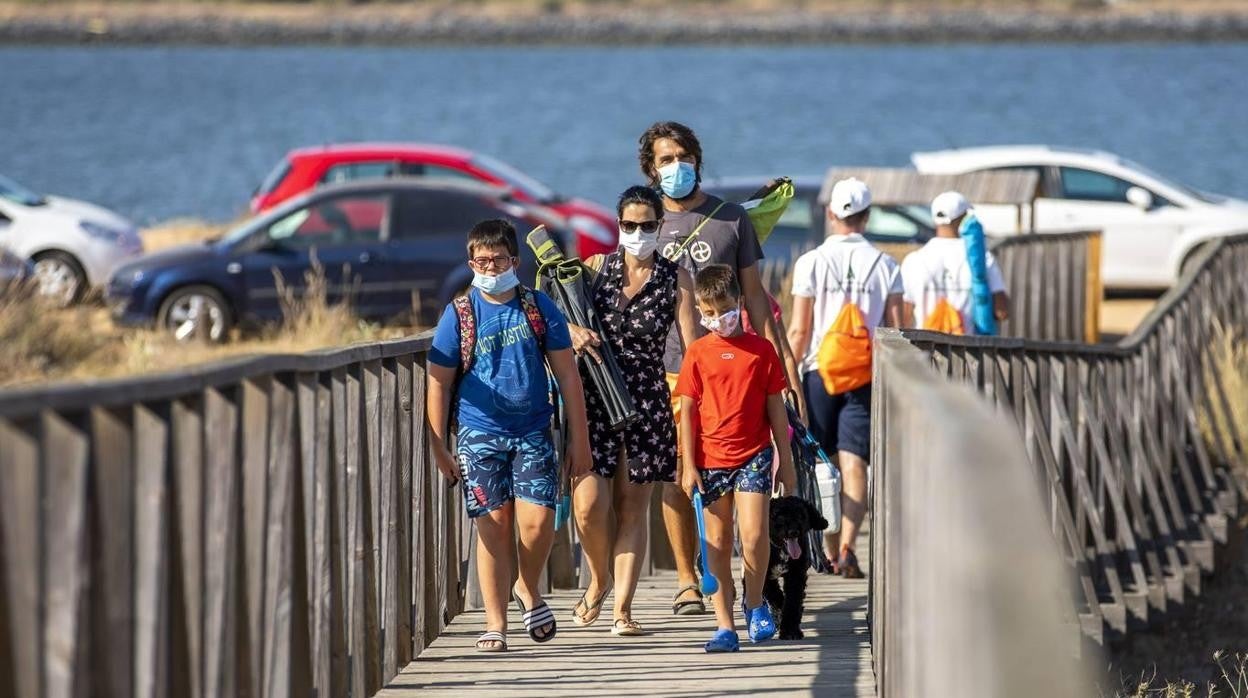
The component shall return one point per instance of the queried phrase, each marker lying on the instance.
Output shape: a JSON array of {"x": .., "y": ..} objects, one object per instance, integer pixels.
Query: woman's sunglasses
[{"x": 647, "y": 227}]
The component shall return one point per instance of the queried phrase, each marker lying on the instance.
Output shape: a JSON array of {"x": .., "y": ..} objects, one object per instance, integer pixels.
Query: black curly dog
[{"x": 792, "y": 518}]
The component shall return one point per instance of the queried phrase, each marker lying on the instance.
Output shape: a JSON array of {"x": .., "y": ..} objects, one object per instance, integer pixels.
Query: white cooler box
[{"x": 829, "y": 479}]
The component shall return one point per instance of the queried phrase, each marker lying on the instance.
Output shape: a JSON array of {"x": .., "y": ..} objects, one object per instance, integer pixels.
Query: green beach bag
[{"x": 765, "y": 206}]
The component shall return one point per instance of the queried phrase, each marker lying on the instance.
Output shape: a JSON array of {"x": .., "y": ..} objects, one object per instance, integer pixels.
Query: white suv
[
  {"x": 1151, "y": 224},
  {"x": 74, "y": 245}
]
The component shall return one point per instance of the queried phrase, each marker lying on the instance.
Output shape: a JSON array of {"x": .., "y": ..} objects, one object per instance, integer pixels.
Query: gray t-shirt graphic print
[{"x": 727, "y": 238}]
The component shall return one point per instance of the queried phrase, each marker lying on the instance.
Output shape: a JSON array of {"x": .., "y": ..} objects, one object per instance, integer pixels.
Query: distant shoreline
[{"x": 403, "y": 25}]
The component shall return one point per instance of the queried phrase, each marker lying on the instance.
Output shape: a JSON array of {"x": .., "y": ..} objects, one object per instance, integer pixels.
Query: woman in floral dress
[{"x": 638, "y": 294}]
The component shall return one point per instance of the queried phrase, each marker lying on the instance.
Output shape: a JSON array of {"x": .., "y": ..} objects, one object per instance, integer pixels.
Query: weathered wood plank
[
  {"x": 833, "y": 659},
  {"x": 151, "y": 570},
  {"x": 221, "y": 542},
  {"x": 186, "y": 551},
  {"x": 357, "y": 553},
  {"x": 421, "y": 516},
  {"x": 279, "y": 533},
  {"x": 405, "y": 464},
  {"x": 112, "y": 600},
  {"x": 387, "y": 534},
  {"x": 370, "y": 532},
  {"x": 19, "y": 527},
  {"x": 314, "y": 438},
  {"x": 254, "y": 398},
  {"x": 341, "y": 557},
  {"x": 64, "y": 543}
]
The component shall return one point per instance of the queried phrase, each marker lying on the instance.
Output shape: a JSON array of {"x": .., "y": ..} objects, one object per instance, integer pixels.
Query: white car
[
  {"x": 73, "y": 245},
  {"x": 1151, "y": 225}
]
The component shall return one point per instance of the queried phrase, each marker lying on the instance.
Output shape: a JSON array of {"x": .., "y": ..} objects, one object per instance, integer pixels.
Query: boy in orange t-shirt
[{"x": 730, "y": 389}]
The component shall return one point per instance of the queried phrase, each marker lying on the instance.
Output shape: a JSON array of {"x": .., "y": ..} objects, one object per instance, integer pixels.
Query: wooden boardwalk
[{"x": 833, "y": 659}]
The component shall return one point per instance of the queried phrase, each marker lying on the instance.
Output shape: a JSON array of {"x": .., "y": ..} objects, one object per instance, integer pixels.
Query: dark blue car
[{"x": 381, "y": 243}]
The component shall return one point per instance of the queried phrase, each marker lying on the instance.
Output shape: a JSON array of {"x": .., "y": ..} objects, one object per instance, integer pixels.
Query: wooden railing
[
  {"x": 269, "y": 526},
  {"x": 968, "y": 592},
  {"x": 274, "y": 525},
  {"x": 1054, "y": 282},
  {"x": 1135, "y": 493}
]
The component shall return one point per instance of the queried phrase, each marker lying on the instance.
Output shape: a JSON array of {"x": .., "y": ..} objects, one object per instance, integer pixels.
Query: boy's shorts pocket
[
  {"x": 497, "y": 469},
  {"x": 753, "y": 475}
]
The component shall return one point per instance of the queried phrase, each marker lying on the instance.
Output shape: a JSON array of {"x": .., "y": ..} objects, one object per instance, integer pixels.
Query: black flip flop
[
  {"x": 678, "y": 607},
  {"x": 540, "y": 617}
]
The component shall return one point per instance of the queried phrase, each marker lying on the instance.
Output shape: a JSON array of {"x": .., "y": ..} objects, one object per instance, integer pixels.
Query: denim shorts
[
  {"x": 754, "y": 475},
  {"x": 496, "y": 469}
]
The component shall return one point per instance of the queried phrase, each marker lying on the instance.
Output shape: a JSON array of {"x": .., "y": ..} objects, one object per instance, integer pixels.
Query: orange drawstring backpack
[{"x": 844, "y": 358}]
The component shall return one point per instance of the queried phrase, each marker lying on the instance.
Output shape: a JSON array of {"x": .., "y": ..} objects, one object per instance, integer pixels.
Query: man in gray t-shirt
[
  {"x": 671, "y": 159},
  {"x": 727, "y": 238}
]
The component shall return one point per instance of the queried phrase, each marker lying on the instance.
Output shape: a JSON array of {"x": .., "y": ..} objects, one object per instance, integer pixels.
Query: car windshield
[
  {"x": 18, "y": 194},
  {"x": 275, "y": 177},
  {"x": 241, "y": 232},
  {"x": 922, "y": 214},
  {"x": 1199, "y": 196},
  {"x": 531, "y": 187}
]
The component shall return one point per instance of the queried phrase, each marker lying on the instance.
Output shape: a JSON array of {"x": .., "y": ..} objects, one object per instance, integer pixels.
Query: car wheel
[
  {"x": 59, "y": 277},
  {"x": 196, "y": 312}
]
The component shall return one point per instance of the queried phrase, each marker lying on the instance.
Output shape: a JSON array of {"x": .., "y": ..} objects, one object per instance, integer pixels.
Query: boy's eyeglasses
[
  {"x": 501, "y": 261},
  {"x": 647, "y": 227}
]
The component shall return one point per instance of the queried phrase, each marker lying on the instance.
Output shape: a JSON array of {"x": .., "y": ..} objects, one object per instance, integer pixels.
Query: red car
[{"x": 306, "y": 168}]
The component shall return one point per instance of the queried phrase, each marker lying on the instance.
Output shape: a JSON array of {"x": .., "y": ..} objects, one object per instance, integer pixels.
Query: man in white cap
[
  {"x": 844, "y": 270},
  {"x": 939, "y": 273}
]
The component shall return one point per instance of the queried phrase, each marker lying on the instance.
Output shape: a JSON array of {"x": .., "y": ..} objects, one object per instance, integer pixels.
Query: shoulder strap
[
  {"x": 533, "y": 313},
  {"x": 871, "y": 269},
  {"x": 835, "y": 273},
  {"x": 468, "y": 325},
  {"x": 697, "y": 230},
  {"x": 467, "y": 331}
]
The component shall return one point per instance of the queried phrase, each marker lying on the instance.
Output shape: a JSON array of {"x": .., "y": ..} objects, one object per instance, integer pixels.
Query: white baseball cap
[
  {"x": 947, "y": 207},
  {"x": 849, "y": 196}
]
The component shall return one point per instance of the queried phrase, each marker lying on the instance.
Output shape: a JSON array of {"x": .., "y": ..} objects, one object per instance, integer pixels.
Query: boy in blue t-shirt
[{"x": 504, "y": 451}]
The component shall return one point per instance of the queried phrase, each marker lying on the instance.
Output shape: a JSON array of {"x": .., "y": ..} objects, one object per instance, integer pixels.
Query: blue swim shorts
[
  {"x": 496, "y": 469},
  {"x": 753, "y": 475}
]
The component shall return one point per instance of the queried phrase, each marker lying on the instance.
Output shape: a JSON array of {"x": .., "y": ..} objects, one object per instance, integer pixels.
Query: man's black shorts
[{"x": 839, "y": 422}]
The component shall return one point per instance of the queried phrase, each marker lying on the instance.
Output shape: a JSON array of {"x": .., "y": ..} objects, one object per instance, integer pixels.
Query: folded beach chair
[
  {"x": 807, "y": 453},
  {"x": 564, "y": 280}
]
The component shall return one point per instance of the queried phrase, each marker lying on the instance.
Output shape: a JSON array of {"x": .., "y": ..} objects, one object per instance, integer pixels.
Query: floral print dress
[{"x": 636, "y": 330}]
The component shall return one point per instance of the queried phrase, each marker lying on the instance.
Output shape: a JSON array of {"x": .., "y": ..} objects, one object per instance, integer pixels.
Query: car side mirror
[{"x": 1140, "y": 198}]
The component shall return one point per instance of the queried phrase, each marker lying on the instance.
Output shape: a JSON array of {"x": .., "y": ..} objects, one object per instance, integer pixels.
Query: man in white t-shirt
[
  {"x": 940, "y": 270},
  {"x": 844, "y": 269}
]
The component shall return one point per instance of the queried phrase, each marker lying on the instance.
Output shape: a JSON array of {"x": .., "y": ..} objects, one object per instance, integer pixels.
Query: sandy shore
[{"x": 553, "y": 22}]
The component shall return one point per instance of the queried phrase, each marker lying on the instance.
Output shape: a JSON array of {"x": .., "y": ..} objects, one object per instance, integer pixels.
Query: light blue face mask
[
  {"x": 677, "y": 179},
  {"x": 495, "y": 285}
]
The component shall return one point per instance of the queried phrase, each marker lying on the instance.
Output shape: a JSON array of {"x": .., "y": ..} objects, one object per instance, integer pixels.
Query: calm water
[{"x": 162, "y": 132}]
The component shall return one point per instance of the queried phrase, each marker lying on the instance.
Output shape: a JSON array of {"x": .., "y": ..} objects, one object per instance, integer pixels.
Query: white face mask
[
  {"x": 639, "y": 244},
  {"x": 725, "y": 324},
  {"x": 495, "y": 285}
]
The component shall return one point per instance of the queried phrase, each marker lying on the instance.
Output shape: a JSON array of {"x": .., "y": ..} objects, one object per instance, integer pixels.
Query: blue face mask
[
  {"x": 495, "y": 285},
  {"x": 677, "y": 179}
]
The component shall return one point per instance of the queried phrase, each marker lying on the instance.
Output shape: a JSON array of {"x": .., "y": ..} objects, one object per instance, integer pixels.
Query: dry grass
[
  {"x": 39, "y": 343},
  {"x": 1232, "y": 681},
  {"x": 1229, "y": 369},
  {"x": 180, "y": 231},
  {"x": 37, "y": 339}
]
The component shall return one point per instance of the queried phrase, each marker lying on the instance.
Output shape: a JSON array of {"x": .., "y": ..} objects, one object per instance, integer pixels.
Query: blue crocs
[
  {"x": 723, "y": 641},
  {"x": 762, "y": 626}
]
